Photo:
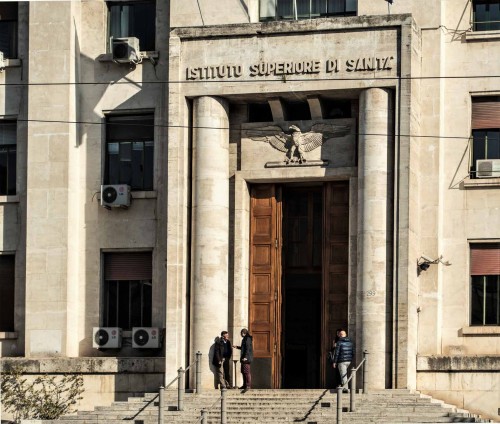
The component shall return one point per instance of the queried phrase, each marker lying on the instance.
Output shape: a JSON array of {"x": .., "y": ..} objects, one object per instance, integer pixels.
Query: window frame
[
  {"x": 475, "y": 276},
  {"x": 9, "y": 148},
  {"x": 110, "y": 31},
  {"x": 485, "y": 128},
  {"x": 104, "y": 319},
  {"x": 149, "y": 114}
]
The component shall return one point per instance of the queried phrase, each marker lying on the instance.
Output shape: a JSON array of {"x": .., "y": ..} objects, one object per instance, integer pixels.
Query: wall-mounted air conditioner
[
  {"x": 106, "y": 337},
  {"x": 116, "y": 195},
  {"x": 488, "y": 168},
  {"x": 125, "y": 50},
  {"x": 145, "y": 337}
]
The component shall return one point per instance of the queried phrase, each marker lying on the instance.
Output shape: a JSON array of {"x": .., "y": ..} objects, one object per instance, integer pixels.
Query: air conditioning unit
[
  {"x": 125, "y": 50},
  {"x": 107, "y": 337},
  {"x": 488, "y": 168},
  {"x": 116, "y": 195},
  {"x": 145, "y": 337}
]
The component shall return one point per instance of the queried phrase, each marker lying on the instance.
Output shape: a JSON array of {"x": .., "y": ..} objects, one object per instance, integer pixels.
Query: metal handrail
[
  {"x": 352, "y": 393},
  {"x": 223, "y": 413},
  {"x": 180, "y": 387}
]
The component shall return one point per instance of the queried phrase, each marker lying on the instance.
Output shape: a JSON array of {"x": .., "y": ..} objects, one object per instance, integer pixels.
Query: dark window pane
[
  {"x": 493, "y": 144},
  {"x": 492, "y": 299},
  {"x": 7, "y": 290},
  {"x": 297, "y": 111},
  {"x": 126, "y": 163},
  {"x": 147, "y": 308},
  {"x": 113, "y": 164},
  {"x": 8, "y": 29},
  {"x": 137, "y": 164},
  {"x": 111, "y": 302},
  {"x": 124, "y": 305},
  {"x": 135, "y": 304},
  {"x": 486, "y": 15},
  {"x": 259, "y": 112},
  {"x": 285, "y": 9},
  {"x": 148, "y": 165},
  {"x": 477, "y": 295},
  {"x": 4, "y": 154},
  {"x": 11, "y": 174}
]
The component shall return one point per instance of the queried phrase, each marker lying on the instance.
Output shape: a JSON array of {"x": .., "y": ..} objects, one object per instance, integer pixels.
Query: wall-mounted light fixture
[{"x": 423, "y": 263}]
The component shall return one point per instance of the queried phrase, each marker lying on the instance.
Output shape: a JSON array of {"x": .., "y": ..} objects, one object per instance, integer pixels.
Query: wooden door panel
[
  {"x": 264, "y": 304},
  {"x": 336, "y": 263}
]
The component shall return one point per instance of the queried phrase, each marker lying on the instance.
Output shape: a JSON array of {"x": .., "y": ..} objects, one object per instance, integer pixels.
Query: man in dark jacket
[
  {"x": 246, "y": 358},
  {"x": 217, "y": 362},
  {"x": 344, "y": 354}
]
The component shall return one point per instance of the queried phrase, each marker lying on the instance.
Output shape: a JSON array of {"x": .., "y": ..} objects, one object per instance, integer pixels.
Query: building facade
[{"x": 293, "y": 167}]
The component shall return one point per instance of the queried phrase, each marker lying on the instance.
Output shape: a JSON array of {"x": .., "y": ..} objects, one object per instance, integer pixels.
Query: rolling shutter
[
  {"x": 485, "y": 259},
  {"x": 126, "y": 266},
  {"x": 485, "y": 112}
]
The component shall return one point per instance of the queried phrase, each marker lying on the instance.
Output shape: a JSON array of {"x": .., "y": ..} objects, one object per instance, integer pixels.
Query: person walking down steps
[{"x": 344, "y": 354}]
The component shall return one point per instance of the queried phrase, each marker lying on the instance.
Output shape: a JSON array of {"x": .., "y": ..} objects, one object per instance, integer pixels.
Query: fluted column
[
  {"x": 210, "y": 227},
  {"x": 374, "y": 231}
]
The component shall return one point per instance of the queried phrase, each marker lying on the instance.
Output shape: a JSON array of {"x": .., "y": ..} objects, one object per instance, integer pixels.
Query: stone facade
[{"x": 408, "y": 73}]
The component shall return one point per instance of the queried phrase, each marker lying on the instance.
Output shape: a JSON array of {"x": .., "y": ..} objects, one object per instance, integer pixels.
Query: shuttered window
[
  {"x": 485, "y": 284},
  {"x": 127, "y": 300},
  {"x": 485, "y": 134},
  {"x": 7, "y": 285}
]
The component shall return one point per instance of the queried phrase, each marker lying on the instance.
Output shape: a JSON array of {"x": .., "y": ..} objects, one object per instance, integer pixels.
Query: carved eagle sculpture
[{"x": 297, "y": 143}]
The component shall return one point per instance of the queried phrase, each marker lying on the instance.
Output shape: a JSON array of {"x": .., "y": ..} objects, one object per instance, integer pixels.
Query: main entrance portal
[{"x": 298, "y": 280}]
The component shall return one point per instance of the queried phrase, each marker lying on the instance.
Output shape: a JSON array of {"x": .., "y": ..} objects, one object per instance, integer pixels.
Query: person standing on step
[
  {"x": 344, "y": 354},
  {"x": 246, "y": 358},
  {"x": 217, "y": 362},
  {"x": 228, "y": 352}
]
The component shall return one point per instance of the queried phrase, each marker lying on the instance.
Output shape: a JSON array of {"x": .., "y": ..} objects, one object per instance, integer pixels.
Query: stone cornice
[{"x": 306, "y": 25}]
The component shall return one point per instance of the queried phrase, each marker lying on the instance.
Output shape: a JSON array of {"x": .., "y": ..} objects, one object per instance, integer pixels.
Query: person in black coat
[
  {"x": 246, "y": 358},
  {"x": 228, "y": 352},
  {"x": 217, "y": 361},
  {"x": 344, "y": 354}
]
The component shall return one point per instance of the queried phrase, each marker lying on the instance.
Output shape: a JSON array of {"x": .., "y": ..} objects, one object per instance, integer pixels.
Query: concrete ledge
[
  {"x": 482, "y": 36},
  {"x": 481, "y": 182},
  {"x": 480, "y": 331},
  {"x": 458, "y": 363},
  {"x": 87, "y": 365}
]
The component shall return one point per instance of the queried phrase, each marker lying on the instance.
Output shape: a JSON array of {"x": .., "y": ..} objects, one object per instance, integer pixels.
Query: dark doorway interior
[{"x": 301, "y": 290}]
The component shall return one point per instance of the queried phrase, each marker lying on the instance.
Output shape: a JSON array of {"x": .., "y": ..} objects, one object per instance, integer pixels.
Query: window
[
  {"x": 305, "y": 9},
  {"x": 133, "y": 19},
  {"x": 127, "y": 294},
  {"x": 485, "y": 130},
  {"x": 8, "y": 29},
  {"x": 485, "y": 284},
  {"x": 259, "y": 112},
  {"x": 129, "y": 151},
  {"x": 7, "y": 292},
  {"x": 486, "y": 15},
  {"x": 7, "y": 158}
]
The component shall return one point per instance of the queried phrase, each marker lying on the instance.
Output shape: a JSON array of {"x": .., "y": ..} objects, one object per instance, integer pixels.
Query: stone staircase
[{"x": 278, "y": 406}]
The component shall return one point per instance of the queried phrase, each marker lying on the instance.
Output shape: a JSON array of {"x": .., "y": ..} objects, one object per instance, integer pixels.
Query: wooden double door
[{"x": 299, "y": 243}]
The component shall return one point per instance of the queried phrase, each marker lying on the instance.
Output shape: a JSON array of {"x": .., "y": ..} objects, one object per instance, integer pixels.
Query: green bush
[{"x": 44, "y": 398}]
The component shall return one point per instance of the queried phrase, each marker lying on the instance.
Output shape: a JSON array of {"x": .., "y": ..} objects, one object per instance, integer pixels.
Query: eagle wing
[
  {"x": 331, "y": 131},
  {"x": 273, "y": 135}
]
